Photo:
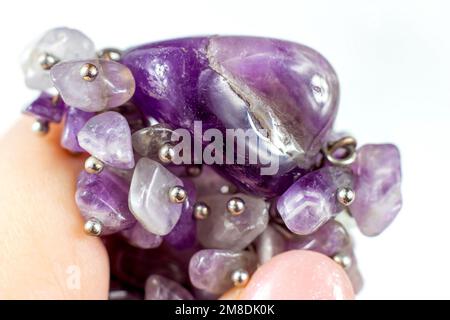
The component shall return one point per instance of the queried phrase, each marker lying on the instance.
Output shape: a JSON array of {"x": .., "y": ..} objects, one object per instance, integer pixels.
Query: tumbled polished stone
[
  {"x": 210, "y": 182},
  {"x": 148, "y": 141},
  {"x": 107, "y": 137},
  {"x": 269, "y": 244},
  {"x": 141, "y": 238},
  {"x": 378, "y": 187},
  {"x": 311, "y": 200},
  {"x": 149, "y": 197},
  {"x": 111, "y": 87},
  {"x": 61, "y": 43},
  {"x": 183, "y": 235},
  {"x": 211, "y": 270},
  {"x": 285, "y": 88},
  {"x": 160, "y": 288},
  {"x": 104, "y": 196},
  {"x": 222, "y": 230},
  {"x": 329, "y": 239},
  {"x": 75, "y": 120},
  {"x": 46, "y": 107}
]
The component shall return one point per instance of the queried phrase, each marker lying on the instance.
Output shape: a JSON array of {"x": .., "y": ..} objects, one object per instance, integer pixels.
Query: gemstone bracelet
[{"x": 208, "y": 156}]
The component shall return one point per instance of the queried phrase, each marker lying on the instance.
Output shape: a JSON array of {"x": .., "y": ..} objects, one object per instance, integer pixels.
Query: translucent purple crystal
[
  {"x": 46, "y": 107},
  {"x": 107, "y": 136},
  {"x": 311, "y": 201},
  {"x": 148, "y": 141},
  {"x": 269, "y": 244},
  {"x": 329, "y": 239},
  {"x": 160, "y": 288},
  {"x": 378, "y": 195},
  {"x": 287, "y": 89},
  {"x": 104, "y": 196},
  {"x": 75, "y": 120},
  {"x": 141, "y": 238},
  {"x": 211, "y": 270}
]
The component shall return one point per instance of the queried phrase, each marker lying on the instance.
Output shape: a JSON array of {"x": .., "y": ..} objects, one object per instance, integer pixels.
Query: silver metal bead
[
  {"x": 194, "y": 170},
  {"x": 177, "y": 194},
  {"x": 40, "y": 127},
  {"x": 88, "y": 72},
  {"x": 240, "y": 277},
  {"x": 201, "y": 211},
  {"x": 93, "y": 165},
  {"x": 93, "y": 227},
  {"x": 47, "y": 61},
  {"x": 345, "y": 196},
  {"x": 112, "y": 54},
  {"x": 343, "y": 260},
  {"x": 236, "y": 206},
  {"x": 166, "y": 153}
]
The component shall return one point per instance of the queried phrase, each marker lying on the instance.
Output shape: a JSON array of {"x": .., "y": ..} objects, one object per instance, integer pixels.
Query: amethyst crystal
[
  {"x": 211, "y": 270},
  {"x": 46, "y": 107},
  {"x": 141, "y": 238},
  {"x": 269, "y": 244},
  {"x": 311, "y": 201},
  {"x": 378, "y": 195},
  {"x": 160, "y": 288},
  {"x": 286, "y": 89},
  {"x": 104, "y": 196},
  {"x": 74, "y": 121}
]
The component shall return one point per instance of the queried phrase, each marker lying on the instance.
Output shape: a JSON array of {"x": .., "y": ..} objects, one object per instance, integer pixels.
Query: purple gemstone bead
[
  {"x": 183, "y": 235},
  {"x": 141, "y": 238},
  {"x": 378, "y": 196},
  {"x": 211, "y": 269},
  {"x": 46, "y": 107},
  {"x": 229, "y": 82},
  {"x": 311, "y": 201},
  {"x": 104, "y": 196},
  {"x": 269, "y": 244},
  {"x": 160, "y": 288},
  {"x": 107, "y": 137},
  {"x": 329, "y": 239},
  {"x": 75, "y": 120}
]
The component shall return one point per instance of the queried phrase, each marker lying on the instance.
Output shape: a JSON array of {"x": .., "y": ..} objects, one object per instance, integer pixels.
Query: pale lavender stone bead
[
  {"x": 329, "y": 239},
  {"x": 311, "y": 200},
  {"x": 211, "y": 270},
  {"x": 183, "y": 235},
  {"x": 210, "y": 182},
  {"x": 113, "y": 86},
  {"x": 46, "y": 107},
  {"x": 107, "y": 137},
  {"x": 378, "y": 187},
  {"x": 63, "y": 44},
  {"x": 160, "y": 288},
  {"x": 222, "y": 230},
  {"x": 269, "y": 244},
  {"x": 149, "y": 197},
  {"x": 104, "y": 197},
  {"x": 148, "y": 141},
  {"x": 141, "y": 238},
  {"x": 75, "y": 120}
]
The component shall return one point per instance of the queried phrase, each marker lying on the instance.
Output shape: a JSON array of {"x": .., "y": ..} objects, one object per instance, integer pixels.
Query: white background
[{"x": 392, "y": 58}]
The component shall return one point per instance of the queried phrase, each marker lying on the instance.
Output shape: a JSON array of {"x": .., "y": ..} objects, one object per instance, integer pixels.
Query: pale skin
[{"x": 44, "y": 252}]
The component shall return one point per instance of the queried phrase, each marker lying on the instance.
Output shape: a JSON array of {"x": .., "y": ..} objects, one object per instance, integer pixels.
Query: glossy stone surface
[
  {"x": 222, "y": 230},
  {"x": 329, "y": 239},
  {"x": 269, "y": 244},
  {"x": 104, "y": 196},
  {"x": 183, "y": 235},
  {"x": 148, "y": 141},
  {"x": 149, "y": 197},
  {"x": 62, "y": 43},
  {"x": 378, "y": 187},
  {"x": 113, "y": 86},
  {"x": 160, "y": 288},
  {"x": 75, "y": 120},
  {"x": 141, "y": 238},
  {"x": 286, "y": 89},
  {"x": 107, "y": 137},
  {"x": 46, "y": 107},
  {"x": 311, "y": 200},
  {"x": 210, "y": 182},
  {"x": 211, "y": 270}
]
